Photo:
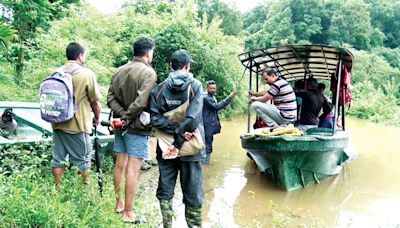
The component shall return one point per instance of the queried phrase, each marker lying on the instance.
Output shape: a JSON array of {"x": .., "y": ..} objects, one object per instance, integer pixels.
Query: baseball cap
[{"x": 181, "y": 58}]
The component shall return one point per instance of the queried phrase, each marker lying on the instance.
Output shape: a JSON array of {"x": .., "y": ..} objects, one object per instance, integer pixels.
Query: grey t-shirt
[{"x": 6, "y": 128}]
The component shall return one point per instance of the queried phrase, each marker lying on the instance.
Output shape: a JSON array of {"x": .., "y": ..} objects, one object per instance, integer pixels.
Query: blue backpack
[{"x": 57, "y": 103}]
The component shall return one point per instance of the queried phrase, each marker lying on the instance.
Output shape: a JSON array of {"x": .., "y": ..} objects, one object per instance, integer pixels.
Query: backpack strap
[{"x": 160, "y": 92}]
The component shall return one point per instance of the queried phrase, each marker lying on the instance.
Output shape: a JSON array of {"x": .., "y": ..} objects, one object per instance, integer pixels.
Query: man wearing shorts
[
  {"x": 127, "y": 97},
  {"x": 71, "y": 138}
]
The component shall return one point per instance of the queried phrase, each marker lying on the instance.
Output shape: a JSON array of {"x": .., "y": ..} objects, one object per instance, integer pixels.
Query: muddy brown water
[{"x": 365, "y": 194}]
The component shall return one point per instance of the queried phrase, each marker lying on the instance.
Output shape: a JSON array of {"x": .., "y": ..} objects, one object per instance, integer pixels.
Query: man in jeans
[
  {"x": 284, "y": 109},
  {"x": 72, "y": 138},
  {"x": 127, "y": 98},
  {"x": 166, "y": 97}
]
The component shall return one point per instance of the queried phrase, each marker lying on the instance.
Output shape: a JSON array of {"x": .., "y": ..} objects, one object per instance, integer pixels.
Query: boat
[
  {"x": 31, "y": 129},
  {"x": 294, "y": 162}
]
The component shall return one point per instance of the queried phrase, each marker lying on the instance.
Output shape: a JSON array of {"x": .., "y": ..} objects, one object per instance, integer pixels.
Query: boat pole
[
  {"x": 343, "y": 104},
  {"x": 337, "y": 96},
  {"x": 248, "y": 109}
]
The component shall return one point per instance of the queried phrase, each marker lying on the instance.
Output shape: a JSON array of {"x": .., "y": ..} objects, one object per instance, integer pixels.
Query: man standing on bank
[
  {"x": 211, "y": 122},
  {"x": 72, "y": 138},
  {"x": 128, "y": 97},
  {"x": 179, "y": 88}
]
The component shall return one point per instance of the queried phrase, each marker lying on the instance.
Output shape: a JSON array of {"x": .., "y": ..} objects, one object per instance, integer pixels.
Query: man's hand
[
  {"x": 188, "y": 135},
  {"x": 96, "y": 120},
  {"x": 252, "y": 99},
  {"x": 171, "y": 153}
]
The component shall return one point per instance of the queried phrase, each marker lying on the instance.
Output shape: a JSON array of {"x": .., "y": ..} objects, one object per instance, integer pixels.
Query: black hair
[
  {"x": 312, "y": 83},
  {"x": 73, "y": 50},
  {"x": 269, "y": 71},
  {"x": 299, "y": 84},
  {"x": 321, "y": 86},
  {"x": 211, "y": 82},
  {"x": 142, "y": 46}
]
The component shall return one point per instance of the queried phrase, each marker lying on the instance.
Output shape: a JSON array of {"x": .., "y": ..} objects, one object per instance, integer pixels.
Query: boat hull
[{"x": 296, "y": 162}]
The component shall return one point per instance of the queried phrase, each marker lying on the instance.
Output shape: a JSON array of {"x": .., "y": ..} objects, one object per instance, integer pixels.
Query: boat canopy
[{"x": 295, "y": 62}]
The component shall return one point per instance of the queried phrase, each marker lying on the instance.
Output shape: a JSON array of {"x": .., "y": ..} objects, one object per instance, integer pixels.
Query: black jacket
[
  {"x": 169, "y": 95},
  {"x": 210, "y": 113},
  {"x": 312, "y": 103}
]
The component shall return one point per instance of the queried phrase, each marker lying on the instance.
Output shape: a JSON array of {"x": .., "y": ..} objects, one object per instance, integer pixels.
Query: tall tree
[
  {"x": 351, "y": 23},
  {"x": 385, "y": 16},
  {"x": 231, "y": 22},
  {"x": 29, "y": 17}
]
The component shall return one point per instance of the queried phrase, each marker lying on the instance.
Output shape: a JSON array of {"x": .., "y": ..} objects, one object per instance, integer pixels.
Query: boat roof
[{"x": 295, "y": 62}]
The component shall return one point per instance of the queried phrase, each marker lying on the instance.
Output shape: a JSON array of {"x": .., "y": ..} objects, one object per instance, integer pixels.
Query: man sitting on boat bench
[{"x": 284, "y": 108}]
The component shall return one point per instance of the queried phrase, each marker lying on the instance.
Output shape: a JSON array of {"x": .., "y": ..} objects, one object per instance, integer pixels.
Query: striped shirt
[{"x": 284, "y": 98}]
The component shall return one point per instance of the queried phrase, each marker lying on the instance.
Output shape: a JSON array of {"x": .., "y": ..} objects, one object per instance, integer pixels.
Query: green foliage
[
  {"x": 230, "y": 17},
  {"x": 29, "y": 197},
  {"x": 6, "y": 34},
  {"x": 30, "y": 18},
  {"x": 374, "y": 104}
]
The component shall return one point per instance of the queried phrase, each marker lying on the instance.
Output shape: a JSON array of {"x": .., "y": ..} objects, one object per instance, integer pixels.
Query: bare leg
[
  {"x": 58, "y": 173},
  {"x": 85, "y": 177},
  {"x": 119, "y": 171},
  {"x": 132, "y": 180}
]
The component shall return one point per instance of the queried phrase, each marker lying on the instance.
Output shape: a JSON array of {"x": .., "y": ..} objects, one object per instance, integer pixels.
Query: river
[{"x": 365, "y": 194}]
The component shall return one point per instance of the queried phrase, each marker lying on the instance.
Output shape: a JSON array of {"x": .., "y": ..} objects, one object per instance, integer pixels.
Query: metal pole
[
  {"x": 257, "y": 89},
  {"x": 337, "y": 96},
  {"x": 343, "y": 104},
  {"x": 250, "y": 86}
]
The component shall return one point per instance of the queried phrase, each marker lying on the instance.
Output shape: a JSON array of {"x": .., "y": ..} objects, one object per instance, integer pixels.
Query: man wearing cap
[
  {"x": 210, "y": 115},
  {"x": 284, "y": 109},
  {"x": 177, "y": 89},
  {"x": 7, "y": 123}
]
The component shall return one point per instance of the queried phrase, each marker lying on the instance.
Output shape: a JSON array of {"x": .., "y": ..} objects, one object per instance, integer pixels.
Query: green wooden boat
[
  {"x": 294, "y": 162},
  {"x": 32, "y": 129}
]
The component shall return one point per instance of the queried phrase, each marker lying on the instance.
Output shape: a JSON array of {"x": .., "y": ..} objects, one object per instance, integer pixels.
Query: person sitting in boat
[
  {"x": 298, "y": 86},
  {"x": 284, "y": 109},
  {"x": 312, "y": 102},
  {"x": 325, "y": 120},
  {"x": 7, "y": 123}
]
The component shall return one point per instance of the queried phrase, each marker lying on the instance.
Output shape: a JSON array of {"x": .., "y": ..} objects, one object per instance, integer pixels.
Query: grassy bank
[{"x": 29, "y": 198}]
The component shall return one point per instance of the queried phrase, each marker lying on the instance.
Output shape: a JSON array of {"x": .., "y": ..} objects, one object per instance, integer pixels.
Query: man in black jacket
[
  {"x": 312, "y": 103},
  {"x": 210, "y": 115},
  {"x": 169, "y": 95}
]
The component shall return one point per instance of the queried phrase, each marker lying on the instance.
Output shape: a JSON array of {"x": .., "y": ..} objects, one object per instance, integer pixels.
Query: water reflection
[
  {"x": 364, "y": 194},
  {"x": 221, "y": 207}
]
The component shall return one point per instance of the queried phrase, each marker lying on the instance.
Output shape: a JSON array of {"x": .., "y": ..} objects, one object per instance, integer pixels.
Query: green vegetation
[{"x": 29, "y": 197}]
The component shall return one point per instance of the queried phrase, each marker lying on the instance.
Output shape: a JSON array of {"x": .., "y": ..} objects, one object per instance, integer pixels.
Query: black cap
[{"x": 180, "y": 58}]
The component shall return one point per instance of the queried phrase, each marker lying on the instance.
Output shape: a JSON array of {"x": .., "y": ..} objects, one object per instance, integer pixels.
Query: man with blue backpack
[{"x": 69, "y": 99}]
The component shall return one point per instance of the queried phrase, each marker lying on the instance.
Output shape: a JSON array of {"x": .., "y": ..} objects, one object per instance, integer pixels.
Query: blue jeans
[{"x": 134, "y": 144}]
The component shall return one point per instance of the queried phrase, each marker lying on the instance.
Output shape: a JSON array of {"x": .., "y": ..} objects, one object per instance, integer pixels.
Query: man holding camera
[{"x": 127, "y": 97}]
